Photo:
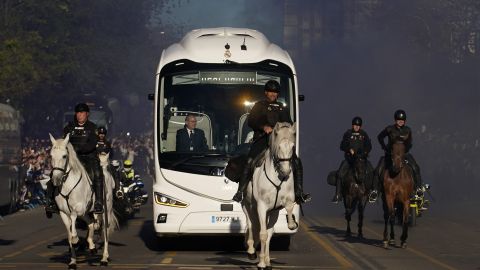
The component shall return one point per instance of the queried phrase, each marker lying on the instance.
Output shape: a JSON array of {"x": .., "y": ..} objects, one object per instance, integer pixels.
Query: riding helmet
[
  {"x": 82, "y": 107},
  {"x": 115, "y": 163},
  {"x": 400, "y": 115},
  {"x": 272, "y": 86},
  {"x": 102, "y": 130},
  {"x": 357, "y": 121}
]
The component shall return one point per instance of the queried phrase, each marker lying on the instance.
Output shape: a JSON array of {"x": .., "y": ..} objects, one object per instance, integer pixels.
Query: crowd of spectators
[{"x": 35, "y": 167}]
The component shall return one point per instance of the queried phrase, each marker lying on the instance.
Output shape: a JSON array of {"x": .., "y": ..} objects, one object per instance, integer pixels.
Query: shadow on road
[
  {"x": 226, "y": 243},
  {"x": 4, "y": 242},
  {"x": 343, "y": 238}
]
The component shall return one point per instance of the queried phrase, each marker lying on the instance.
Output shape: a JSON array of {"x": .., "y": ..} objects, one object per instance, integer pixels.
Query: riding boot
[
  {"x": 417, "y": 179},
  {"x": 338, "y": 191},
  {"x": 300, "y": 197},
  {"x": 98, "y": 206},
  {"x": 243, "y": 182},
  {"x": 50, "y": 204}
]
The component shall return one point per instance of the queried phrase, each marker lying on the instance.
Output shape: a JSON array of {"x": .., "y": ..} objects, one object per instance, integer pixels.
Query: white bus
[{"x": 216, "y": 74}]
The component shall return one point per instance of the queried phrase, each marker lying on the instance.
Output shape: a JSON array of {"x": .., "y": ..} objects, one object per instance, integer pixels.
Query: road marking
[
  {"x": 350, "y": 248},
  {"x": 30, "y": 247},
  {"x": 418, "y": 253},
  {"x": 168, "y": 257},
  {"x": 167, "y": 260},
  {"x": 195, "y": 267},
  {"x": 325, "y": 245}
]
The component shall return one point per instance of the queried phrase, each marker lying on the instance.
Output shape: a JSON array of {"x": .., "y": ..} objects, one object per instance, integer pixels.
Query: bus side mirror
[
  {"x": 151, "y": 96},
  {"x": 301, "y": 97}
]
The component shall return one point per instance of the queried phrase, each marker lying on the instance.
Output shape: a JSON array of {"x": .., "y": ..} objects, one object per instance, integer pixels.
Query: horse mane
[{"x": 75, "y": 163}]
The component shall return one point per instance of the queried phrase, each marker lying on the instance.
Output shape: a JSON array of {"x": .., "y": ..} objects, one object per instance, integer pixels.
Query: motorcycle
[
  {"x": 133, "y": 194},
  {"x": 418, "y": 204}
]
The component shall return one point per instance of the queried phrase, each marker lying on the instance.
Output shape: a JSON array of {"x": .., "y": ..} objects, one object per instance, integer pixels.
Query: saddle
[{"x": 236, "y": 166}]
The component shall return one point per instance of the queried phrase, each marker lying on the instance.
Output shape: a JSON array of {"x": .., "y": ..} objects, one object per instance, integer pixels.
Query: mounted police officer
[
  {"x": 399, "y": 132},
  {"x": 103, "y": 145},
  {"x": 355, "y": 141},
  {"x": 262, "y": 118},
  {"x": 83, "y": 138}
]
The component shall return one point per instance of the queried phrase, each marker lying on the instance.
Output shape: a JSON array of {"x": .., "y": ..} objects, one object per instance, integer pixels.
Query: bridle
[{"x": 63, "y": 170}]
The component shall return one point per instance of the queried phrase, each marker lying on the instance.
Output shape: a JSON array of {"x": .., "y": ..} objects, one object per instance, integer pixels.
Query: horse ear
[
  {"x": 277, "y": 125},
  {"x": 67, "y": 139},
  {"x": 52, "y": 139}
]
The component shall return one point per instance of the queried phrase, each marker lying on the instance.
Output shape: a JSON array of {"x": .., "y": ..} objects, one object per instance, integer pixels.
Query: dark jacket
[
  {"x": 198, "y": 142},
  {"x": 358, "y": 141},
  {"x": 265, "y": 113},
  {"x": 394, "y": 134},
  {"x": 82, "y": 137},
  {"x": 104, "y": 146}
]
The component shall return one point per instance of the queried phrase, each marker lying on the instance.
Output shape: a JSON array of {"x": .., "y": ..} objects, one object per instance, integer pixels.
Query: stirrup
[
  {"x": 96, "y": 208},
  {"x": 303, "y": 198},
  {"x": 336, "y": 199},
  {"x": 373, "y": 196}
]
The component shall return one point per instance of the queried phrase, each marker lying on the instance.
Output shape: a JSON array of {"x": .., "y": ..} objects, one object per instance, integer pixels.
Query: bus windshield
[{"x": 219, "y": 101}]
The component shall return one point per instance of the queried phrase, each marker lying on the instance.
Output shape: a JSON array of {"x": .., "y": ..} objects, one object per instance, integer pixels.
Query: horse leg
[
  {"x": 74, "y": 236},
  {"x": 292, "y": 223},
  {"x": 406, "y": 210},
  {"x": 348, "y": 214},
  {"x": 249, "y": 235},
  {"x": 68, "y": 224},
  {"x": 386, "y": 217},
  {"x": 391, "y": 212},
  {"x": 361, "y": 210},
  {"x": 262, "y": 218},
  {"x": 272, "y": 219},
  {"x": 91, "y": 245}
]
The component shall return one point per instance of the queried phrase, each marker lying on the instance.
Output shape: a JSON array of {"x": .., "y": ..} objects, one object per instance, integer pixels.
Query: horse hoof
[
  {"x": 72, "y": 266},
  {"x": 93, "y": 251},
  {"x": 391, "y": 242},
  {"x": 360, "y": 236},
  {"x": 385, "y": 244},
  {"x": 102, "y": 263},
  {"x": 404, "y": 245},
  {"x": 252, "y": 256}
]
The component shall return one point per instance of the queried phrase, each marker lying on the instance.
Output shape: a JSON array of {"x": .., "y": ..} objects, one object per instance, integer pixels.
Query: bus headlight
[{"x": 163, "y": 199}]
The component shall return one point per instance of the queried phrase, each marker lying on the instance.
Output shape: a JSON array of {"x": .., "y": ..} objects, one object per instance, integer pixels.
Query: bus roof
[{"x": 208, "y": 46}]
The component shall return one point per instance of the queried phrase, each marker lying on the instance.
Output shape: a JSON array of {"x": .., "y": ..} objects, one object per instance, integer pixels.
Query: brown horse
[{"x": 398, "y": 187}]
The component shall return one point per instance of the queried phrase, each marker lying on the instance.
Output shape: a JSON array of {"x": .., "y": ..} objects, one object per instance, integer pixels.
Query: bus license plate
[{"x": 224, "y": 219}]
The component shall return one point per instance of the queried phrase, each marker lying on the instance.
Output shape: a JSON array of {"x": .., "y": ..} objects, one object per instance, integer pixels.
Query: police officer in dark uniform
[
  {"x": 262, "y": 119},
  {"x": 399, "y": 132},
  {"x": 83, "y": 138},
  {"x": 103, "y": 145},
  {"x": 355, "y": 141}
]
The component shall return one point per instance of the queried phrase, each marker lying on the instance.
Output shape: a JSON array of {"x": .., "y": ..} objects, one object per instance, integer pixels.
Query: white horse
[
  {"x": 270, "y": 190},
  {"x": 76, "y": 197}
]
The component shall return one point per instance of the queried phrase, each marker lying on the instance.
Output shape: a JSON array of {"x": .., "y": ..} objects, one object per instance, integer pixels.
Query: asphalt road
[{"x": 28, "y": 240}]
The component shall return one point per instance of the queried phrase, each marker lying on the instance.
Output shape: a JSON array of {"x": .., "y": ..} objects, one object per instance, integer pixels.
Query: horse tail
[{"x": 113, "y": 223}]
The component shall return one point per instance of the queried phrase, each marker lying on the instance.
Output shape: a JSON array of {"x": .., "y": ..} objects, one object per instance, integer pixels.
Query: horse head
[
  {"x": 282, "y": 147},
  {"x": 398, "y": 157},
  {"x": 103, "y": 159},
  {"x": 60, "y": 160},
  {"x": 360, "y": 168}
]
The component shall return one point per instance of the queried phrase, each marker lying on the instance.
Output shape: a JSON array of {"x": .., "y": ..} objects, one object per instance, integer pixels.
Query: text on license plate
[{"x": 224, "y": 219}]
